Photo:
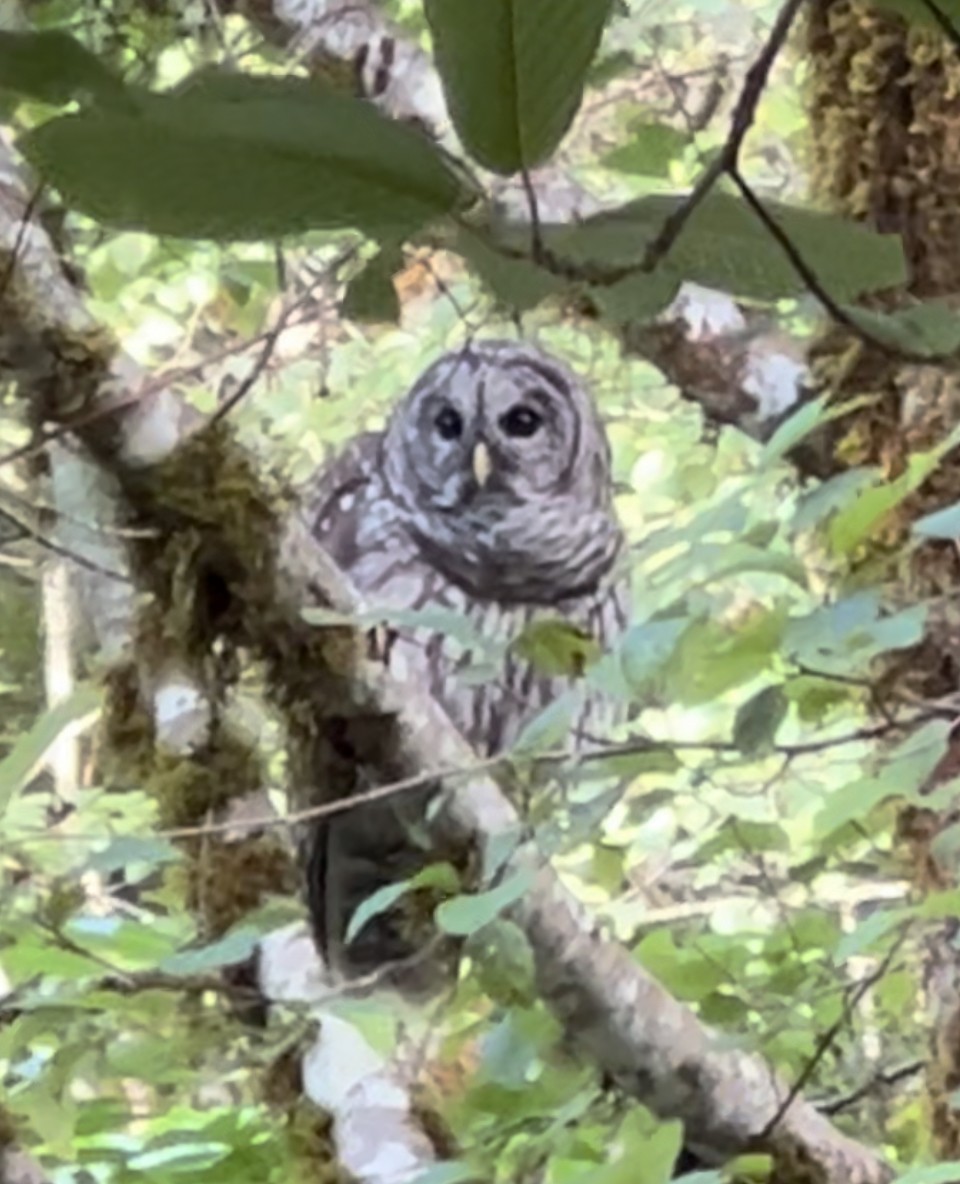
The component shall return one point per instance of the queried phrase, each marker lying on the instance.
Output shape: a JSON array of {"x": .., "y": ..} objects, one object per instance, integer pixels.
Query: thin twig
[
  {"x": 887, "y": 1078},
  {"x": 635, "y": 747},
  {"x": 260, "y": 364},
  {"x": 537, "y": 245},
  {"x": 811, "y": 280},
  {"x": 28, "y": 211},
  {"x": 55, "y": 548},
  {"x": 741, "y": 121},
  {"x": 829, "y": 1037}
]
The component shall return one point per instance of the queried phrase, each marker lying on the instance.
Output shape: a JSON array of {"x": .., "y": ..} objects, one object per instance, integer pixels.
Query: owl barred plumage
[{"x": 487, "y": 496}]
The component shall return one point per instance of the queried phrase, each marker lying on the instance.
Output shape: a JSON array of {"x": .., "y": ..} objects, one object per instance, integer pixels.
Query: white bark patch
[
  {"x": 775, "y": 380},
  {"x": 182, "y": 716}
]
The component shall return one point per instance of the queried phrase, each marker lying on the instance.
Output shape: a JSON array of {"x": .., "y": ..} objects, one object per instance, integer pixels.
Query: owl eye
[
  {"x": 449, "y": 424},
  {"x": 520, "y": 421}
]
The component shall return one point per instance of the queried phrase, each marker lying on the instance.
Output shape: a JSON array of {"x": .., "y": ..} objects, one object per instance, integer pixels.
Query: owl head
[{"x": 501, "y": 467}]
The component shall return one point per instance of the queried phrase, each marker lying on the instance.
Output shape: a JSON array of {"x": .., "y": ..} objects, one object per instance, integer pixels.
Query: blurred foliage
[{"x": 743, "y": 851}]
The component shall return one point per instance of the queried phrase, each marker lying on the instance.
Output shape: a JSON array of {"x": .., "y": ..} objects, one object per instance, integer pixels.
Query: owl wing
[
  {"x": 348, "y": 856},
  {"x": 339, "y": 491}
]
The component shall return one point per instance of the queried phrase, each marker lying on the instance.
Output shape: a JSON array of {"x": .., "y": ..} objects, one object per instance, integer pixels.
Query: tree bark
[{"x": 884, "y": 104}]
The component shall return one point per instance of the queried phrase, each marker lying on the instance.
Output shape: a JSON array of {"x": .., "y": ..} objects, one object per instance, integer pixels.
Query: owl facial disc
[{"x": 500, "y": 464}]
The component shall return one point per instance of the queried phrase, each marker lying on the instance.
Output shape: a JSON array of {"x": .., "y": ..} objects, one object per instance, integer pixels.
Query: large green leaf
[
  {"x": 371, "y": 295},
  {"x": 723, "y": 245},
  {"x": 467, "y": 914},
  {"x": 260, "y": 158},
  {"x": 855, "y": 523},
  {"x": 928, "y": 330},
  {"x": 55, "y": 68},
  {"x": 513, "y": 72},
  {"x": 921, "y": 13}
]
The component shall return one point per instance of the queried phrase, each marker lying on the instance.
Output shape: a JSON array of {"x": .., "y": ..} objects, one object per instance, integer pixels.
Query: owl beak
[{"x": 481, "y": 463}]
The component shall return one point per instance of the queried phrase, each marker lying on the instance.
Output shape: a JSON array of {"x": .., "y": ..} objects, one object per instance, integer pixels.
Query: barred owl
[{"x": 488, "y": 496}]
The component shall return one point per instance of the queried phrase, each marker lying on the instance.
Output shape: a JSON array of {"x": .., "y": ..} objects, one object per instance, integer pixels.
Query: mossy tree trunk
[{"x": 884, "y": 105}]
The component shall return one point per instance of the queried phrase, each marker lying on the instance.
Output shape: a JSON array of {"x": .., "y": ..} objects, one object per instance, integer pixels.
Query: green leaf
[
  {"x": 438, "y": 620},
  {"x": 549, "y": 729},
  {"x": 54, "y": 68},
  {"x": 741, "y": 834},
  {"x": 466, "y": 914},
  {"x": 805, "y": 420},
  {"x": 722, "y": 245},
  {"x": 712, "y": 658},
  {"x": 125, "y": 851},
  {"x": 757, "y": 720},
  {"x": 751, "y": 1167},
  {"x": 371, "y": 296},
  {"x": 645, "y": 1152},
  {"x": 275, "y": 160},
  {"x": 230, "y": 949},
  {"x": 931, "y": 330},
  {"x": 844, "y": 637},
  {"x": 646, "y": 648},
  {"x": 688, "y": 973},
  {"x": 124, "y": 942},
  {"x": 903, "y": 775},
  {"x": 942, "y": 524},
  {"x": 918, "y": 12},
  {"x": 556, "y": 647},
  {"x": 503, "y": 963},
  {"x": 653, "y": 147},
  {"x": 939, "y": 1173},
  {"x": 180, "y": 1157},
  {"x": 867, "y": 933},
  {"x": 941, "y": 906},
  {"x": 438, "y": 875},
  {"x": 519, "y": 284},
  {"x": 513, "y": 72},
  {"x": 24, "y": 960},
  {"x": 29, "y": 750},
  {"x": 449, "y": 1172},
  {"x": 854, "y": 524},
  {"x": 637, "y": 298},
  {"x": 832, "y": 495}
]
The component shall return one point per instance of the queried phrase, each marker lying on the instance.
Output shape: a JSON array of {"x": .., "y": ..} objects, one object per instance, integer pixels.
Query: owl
[{"x": 484, "y": 507}]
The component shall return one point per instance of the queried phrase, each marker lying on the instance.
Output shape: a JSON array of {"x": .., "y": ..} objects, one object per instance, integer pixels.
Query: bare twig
[
  {"x": 491, "y": 764},
  {"x": 882, "y": 1079},
  {"x": 803, "y": 269},
  {"x": 740, "y": 123},
  {"x": 829, "y": 1037}
]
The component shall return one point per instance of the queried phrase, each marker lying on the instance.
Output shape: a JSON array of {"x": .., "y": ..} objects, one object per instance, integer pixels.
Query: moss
[
  {"x": 310, "y": 1132},
  {"x": 884, "y": 100},
  {"x": 189, "y": 788},
  {"x": 281, "y": 1085},
  {"x": 126, "y": 735},
  {"x": 230, "y": 880}
]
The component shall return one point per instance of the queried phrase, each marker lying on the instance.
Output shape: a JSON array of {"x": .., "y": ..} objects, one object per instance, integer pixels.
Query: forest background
[{"x": 220, "y": 281}]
